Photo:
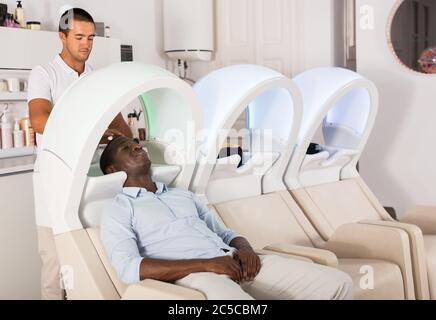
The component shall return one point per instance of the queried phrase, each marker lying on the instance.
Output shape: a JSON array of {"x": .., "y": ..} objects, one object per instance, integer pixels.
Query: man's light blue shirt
[{"x": 171, "y": 224}]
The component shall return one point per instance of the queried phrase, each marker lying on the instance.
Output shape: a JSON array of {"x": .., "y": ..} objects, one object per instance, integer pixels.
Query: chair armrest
[
  {"x": 319, "y": 256},
  {"x": 423, "y": 217},
  {"x": 284, "y": 255},
  {"x": 364, "y": 241},
  {"x": 418, "y": 254},
  {"x": 159, "y": 290}
]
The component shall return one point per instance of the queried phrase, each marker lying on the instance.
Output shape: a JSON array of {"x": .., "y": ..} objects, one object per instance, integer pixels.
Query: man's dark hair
[
  {"x": 68, "y": 16},
  {"x": 108, "y": 156}
]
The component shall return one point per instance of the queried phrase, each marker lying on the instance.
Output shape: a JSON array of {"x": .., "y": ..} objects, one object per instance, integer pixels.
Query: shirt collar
[
  {"x": 135, "y": 192},
  {"x": 68, "y": 69},
  {"x": 161, "y": 188}
]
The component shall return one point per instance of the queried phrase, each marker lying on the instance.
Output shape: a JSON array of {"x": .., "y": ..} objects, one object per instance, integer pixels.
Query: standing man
[{"x": 47, "y": 83}]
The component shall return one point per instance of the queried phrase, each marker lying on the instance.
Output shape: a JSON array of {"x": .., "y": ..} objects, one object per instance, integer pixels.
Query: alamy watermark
[
  {"x": 188, "y": 146},
  {"x": 367, "y": 17},
  {"x": 367, "y": 280},
  {"x": 67, "y": 277}
]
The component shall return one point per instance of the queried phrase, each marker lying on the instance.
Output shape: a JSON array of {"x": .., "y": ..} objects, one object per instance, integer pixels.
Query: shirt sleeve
[
  {"x": 39, "y": 85},
  {"x": 214, "y": 223},
  {"x": 120, "y": 240}
]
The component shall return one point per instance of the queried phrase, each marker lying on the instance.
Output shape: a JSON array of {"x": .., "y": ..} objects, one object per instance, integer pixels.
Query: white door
[{"x": 254, "y": 31}]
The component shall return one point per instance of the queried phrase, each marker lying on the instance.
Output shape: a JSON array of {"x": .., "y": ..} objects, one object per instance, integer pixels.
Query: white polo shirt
[{"x": 50, "y": 81}]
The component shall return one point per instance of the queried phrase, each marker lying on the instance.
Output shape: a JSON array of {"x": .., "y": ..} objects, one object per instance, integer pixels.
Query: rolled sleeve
[
  {"x": 212, "y": 220},
  {"x": 39, "y": 85},
  {"x": 120, "y": 241}
]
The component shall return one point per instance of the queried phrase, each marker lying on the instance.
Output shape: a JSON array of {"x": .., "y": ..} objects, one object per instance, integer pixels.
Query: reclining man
[{"x": 153, "y": 232}]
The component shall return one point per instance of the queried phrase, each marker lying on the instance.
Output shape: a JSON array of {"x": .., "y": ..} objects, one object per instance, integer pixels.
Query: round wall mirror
[{"x": 413, "y": 34}]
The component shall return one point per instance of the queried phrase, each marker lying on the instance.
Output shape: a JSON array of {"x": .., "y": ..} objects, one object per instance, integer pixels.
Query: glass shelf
[
  {"x": 17, "y": 152},
  {"x": 13, "y": 96},
  {"x": 20, "y": 75}
]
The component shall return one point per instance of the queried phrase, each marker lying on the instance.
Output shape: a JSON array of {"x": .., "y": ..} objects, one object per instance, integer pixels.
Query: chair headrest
[
  {"x": 98, "y": 192},
  {"x": 165, "y": 173},
  {"x": 104, "y": 186}
]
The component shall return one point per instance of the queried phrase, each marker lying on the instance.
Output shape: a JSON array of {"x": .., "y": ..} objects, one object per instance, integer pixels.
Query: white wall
[
  {"x": 316, "y": 28},
  {"x": 137, "y": 23},
  {"x": 399, "y": 161}
]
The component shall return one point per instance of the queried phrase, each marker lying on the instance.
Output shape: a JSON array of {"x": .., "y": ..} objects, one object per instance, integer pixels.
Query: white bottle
[
  {"x": 107, "y": 32},
  {"x": 18, "y": 135},
  {"x": 19, "y": 15},
  {"x": 132, "y": 123},
  {"x": 6, "y": 131},
  {"x": 29, "y": 133}
]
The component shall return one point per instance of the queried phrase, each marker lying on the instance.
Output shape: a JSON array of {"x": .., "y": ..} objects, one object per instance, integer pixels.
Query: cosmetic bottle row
[{"x": 15, "y": 134}]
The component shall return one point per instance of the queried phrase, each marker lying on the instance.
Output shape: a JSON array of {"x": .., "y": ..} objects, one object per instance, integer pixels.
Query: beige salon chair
[
  {"x": 87, "y": 257},
  {"x": 98, "y": 280},
  {"x": 327, "y": 186}
]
